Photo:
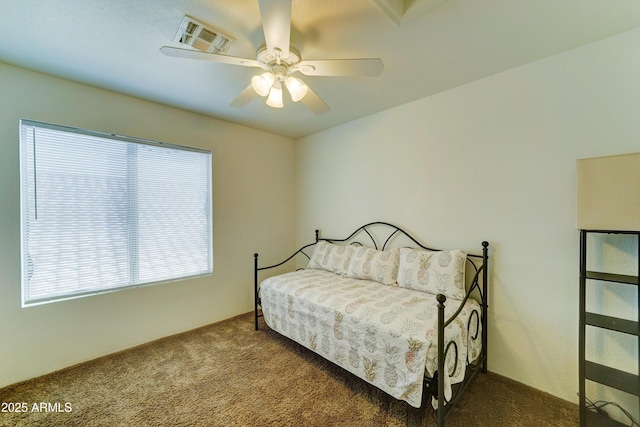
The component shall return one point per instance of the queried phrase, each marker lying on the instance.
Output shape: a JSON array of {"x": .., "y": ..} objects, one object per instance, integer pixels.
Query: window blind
[{"x": 103, "y": 212}]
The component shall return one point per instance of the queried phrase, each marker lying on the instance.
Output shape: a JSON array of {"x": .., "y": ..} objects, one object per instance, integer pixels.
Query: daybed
[{"x": 379, "y": 311}]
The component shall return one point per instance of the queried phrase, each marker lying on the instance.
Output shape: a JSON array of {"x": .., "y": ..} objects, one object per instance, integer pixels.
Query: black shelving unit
[{"x": 591, "y": 371}]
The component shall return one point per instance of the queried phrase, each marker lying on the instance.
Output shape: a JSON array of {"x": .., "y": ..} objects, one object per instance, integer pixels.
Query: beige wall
[
  {"x": 492, "y": 160},
  {"x": 253, "y": 210}
]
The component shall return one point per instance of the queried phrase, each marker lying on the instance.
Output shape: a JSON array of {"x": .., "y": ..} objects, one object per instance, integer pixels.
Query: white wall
[
  {"x": 253, "y": 208},
  {"x": 492, "y": 160}
]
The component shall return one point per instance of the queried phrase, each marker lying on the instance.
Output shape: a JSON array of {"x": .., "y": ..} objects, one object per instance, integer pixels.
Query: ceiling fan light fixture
[
  {"x": 275, "y": 96},
  {"x": 296, "y": 88},
  {"x": 263, "y": 83}
]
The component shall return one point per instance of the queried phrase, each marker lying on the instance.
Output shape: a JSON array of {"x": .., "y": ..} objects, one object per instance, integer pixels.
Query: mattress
[{"x": 386, "y": 335}]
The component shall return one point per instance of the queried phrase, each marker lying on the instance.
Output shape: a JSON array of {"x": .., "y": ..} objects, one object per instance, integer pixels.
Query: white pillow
[
  {"x": 370, "y": 264},
  {"x": 331, "y": 257},
  {"x": 438, "y": 272}
]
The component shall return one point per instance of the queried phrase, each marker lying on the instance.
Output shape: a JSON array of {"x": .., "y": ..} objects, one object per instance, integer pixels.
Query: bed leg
[
  {"x": 485, "y": 305},
  {"x": 440, "y": 415},
  {"x": 255, "y": 289}
]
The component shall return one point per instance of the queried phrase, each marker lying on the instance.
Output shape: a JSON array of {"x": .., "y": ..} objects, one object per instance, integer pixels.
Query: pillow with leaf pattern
[
  {"x": 331, "y": 257},
  {"x": 371, "y": 264},
  {"x": 437, "y": 272}
]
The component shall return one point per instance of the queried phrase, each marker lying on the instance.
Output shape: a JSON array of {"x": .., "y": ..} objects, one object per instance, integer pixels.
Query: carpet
[{"x": 226, "y": 374}]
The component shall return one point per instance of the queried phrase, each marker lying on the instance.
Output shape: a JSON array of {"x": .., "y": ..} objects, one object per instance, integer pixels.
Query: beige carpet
[{"x": 228, "y": 375}]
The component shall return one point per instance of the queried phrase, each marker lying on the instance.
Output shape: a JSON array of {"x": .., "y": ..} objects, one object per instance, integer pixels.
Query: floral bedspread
[{"x": 383, "y": 334}]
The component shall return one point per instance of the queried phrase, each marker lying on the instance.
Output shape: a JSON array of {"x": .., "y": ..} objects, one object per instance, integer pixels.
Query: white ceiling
[{"x": 113, "y": 44}]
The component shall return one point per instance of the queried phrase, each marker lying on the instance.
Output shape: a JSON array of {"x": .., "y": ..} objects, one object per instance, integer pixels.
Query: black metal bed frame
[{"x": 432, "y": 387}]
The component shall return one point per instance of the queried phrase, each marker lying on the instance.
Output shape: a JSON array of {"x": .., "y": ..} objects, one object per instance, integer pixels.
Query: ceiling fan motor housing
[{"x": 270, "y": 59}]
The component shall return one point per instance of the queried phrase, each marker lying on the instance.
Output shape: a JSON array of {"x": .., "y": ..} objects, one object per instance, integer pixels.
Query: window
[{"x": 104, "y": 212}]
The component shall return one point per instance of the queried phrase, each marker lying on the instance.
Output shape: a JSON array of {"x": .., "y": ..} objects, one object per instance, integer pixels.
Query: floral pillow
[
  {"x": 371, "y": 264},
  {"x": 331, "y": 257},
  {"x": 438, "y": 272}
]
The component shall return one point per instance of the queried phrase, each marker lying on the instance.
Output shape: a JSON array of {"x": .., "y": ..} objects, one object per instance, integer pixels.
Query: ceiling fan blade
[
  {"x": 207, "y": 56},
  {"x": 276, "y": 24},
  {"x": 368, "y": 67},
  {"x": 314, "y": 102},
  {"x": 245, "y": 97}
]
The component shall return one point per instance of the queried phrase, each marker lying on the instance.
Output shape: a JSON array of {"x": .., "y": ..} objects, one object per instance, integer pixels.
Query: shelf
[
  {"x": 614, "y": 232},
  {"x": 608, "y": 277},
  {"x": 613, "y": 377},
  {"x": 613, "y": 323},
  {"x": 596, "y": 372}
]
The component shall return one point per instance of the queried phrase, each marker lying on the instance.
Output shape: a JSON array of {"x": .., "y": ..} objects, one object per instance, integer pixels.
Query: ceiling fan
[{"x": 280, "y": 61}]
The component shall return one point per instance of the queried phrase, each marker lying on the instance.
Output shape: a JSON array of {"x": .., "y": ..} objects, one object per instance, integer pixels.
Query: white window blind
[{"x": 104, "y": 212}]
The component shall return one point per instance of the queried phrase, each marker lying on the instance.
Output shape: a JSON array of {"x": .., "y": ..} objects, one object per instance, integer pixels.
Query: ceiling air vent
[{"x": 195, "y": 34}]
